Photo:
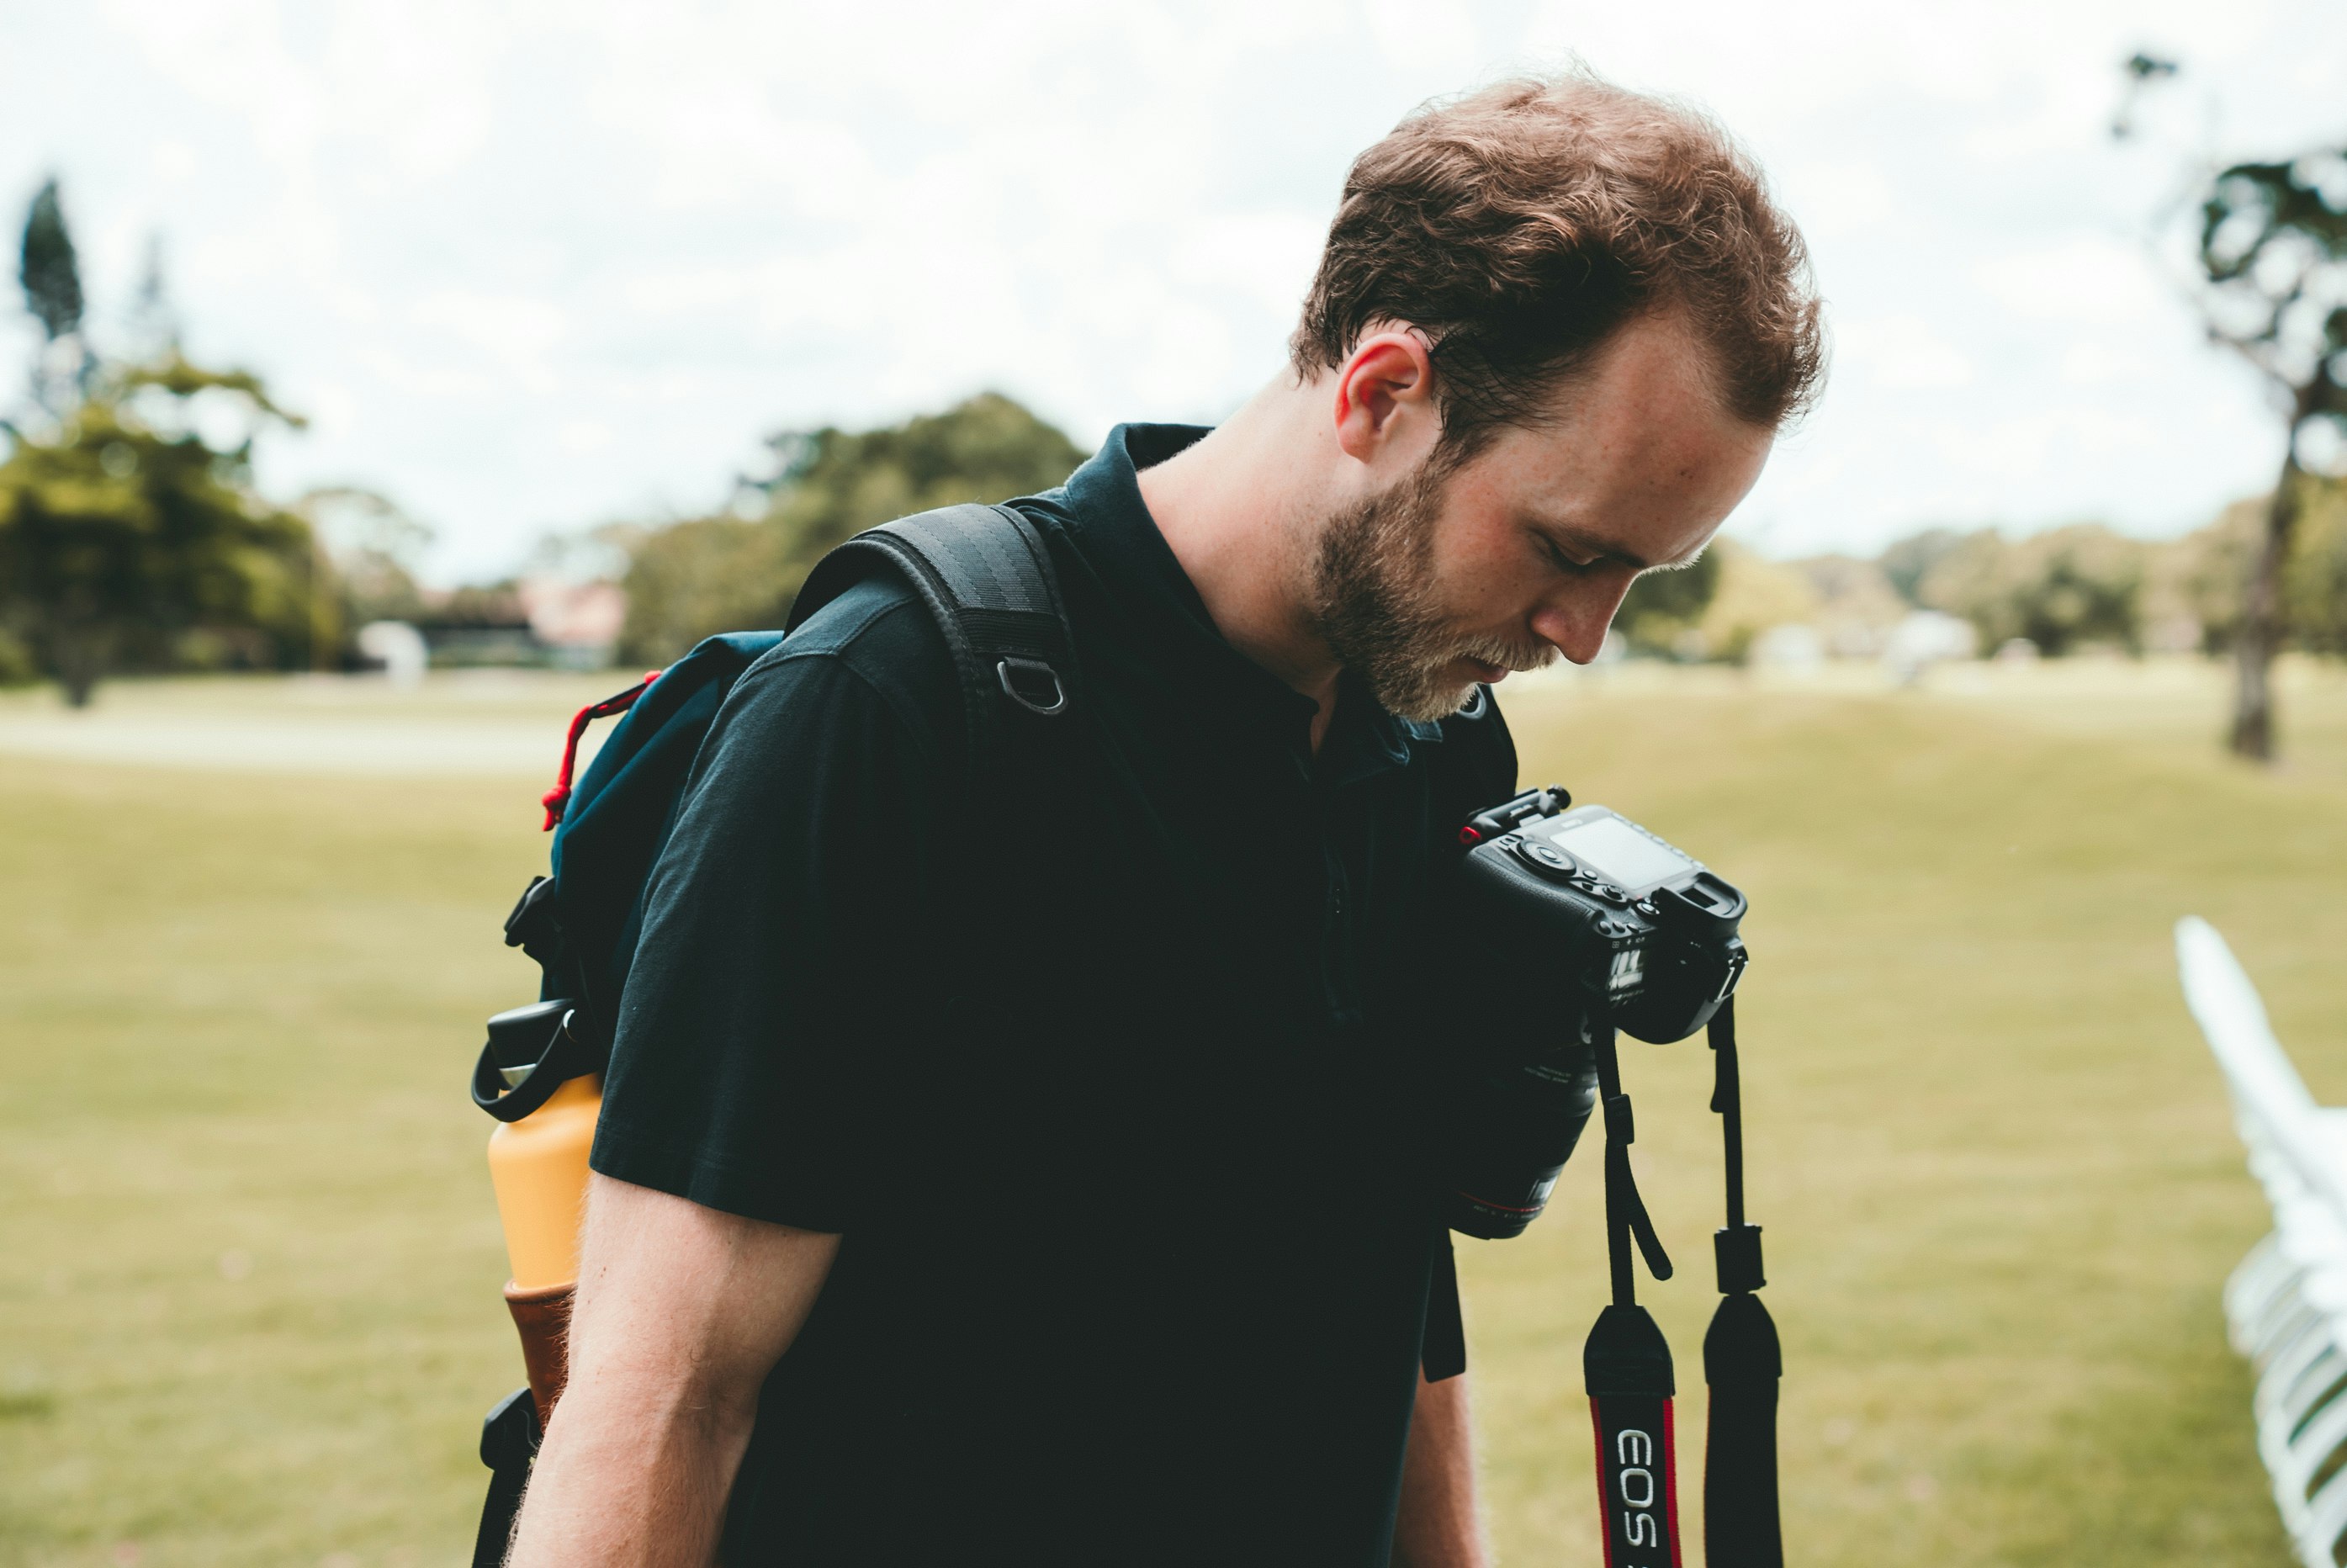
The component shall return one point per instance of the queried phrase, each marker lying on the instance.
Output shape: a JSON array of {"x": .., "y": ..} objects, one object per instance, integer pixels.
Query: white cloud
[
  {"x": 1900, "y": 351},
  {"x": 2079, "y": 278},
  {"x": 2100, "y": 365},
  {"x": 478, "y": 236}
]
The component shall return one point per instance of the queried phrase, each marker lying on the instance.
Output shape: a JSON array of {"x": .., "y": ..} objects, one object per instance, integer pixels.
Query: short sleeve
[
  {"x": 1443, "y": 1352},
  {"x": 764, "y": 1006}
]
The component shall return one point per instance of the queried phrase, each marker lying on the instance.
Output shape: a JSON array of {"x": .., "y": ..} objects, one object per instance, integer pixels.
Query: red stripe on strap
[
  {"x": 555, "y": 799},
  {"x": 1604, "y": 1502},
  {"x": 1670, "y": 1473}
]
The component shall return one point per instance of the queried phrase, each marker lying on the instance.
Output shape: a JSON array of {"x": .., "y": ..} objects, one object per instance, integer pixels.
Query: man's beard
[{"x": 1372, "y": 600}]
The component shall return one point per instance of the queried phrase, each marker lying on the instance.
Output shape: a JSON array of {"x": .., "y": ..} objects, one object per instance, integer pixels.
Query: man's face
[{"x": 1525, "y": 552}]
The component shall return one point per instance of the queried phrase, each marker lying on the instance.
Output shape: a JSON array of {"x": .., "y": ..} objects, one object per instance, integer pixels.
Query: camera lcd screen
[{"x": 1621, "y": 854}]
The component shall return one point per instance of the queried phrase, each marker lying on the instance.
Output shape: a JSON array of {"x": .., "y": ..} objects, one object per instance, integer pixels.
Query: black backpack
[{"x": 986, "y": 576}]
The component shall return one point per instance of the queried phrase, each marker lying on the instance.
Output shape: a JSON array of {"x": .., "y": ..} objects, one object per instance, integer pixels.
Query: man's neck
[{"x": 1239, "y": 511}]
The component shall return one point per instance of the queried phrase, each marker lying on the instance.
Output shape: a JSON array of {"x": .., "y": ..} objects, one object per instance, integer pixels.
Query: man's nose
[{"x": 1576, "y": 618}]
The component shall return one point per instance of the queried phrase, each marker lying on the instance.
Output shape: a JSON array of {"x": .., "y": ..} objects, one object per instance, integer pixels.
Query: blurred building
[
  {"x": 1925, "y": 638},
  {"x": 397, "y": 648},
  {"x": 1794, "y": 648},
  {"x": 577, "y": 623},
  {"x": 538, "y": 623},
  {"x": 1858, "y": 608}
]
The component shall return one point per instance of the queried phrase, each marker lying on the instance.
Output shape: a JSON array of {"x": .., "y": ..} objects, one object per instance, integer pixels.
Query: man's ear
[{"x": 1385, "y": 399}]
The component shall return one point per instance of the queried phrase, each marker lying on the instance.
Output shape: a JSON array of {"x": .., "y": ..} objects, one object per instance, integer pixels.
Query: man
[{"x": 1042, "y": 1169}]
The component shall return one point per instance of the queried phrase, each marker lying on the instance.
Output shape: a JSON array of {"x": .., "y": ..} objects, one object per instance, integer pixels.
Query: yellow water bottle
[{"x": 531, "y": 1078}]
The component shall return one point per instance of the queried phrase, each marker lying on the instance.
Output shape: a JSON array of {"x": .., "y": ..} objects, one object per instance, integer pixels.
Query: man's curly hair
[{"x": 1521, "y": 226}]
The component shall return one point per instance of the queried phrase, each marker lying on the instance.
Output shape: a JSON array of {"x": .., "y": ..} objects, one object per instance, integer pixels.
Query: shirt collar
[{"x": 1117, "y": 539}]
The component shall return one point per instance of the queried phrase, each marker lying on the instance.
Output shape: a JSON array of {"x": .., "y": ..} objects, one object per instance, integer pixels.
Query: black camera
[{"x": 1600, "y": 924}]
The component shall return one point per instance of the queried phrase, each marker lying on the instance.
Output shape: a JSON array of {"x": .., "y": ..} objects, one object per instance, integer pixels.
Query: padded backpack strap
[{"x": 986, "y": 576}]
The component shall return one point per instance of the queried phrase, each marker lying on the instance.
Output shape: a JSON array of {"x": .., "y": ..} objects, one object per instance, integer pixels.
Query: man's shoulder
[
  {"x": 873, "y": 647},
  {"x": 876, "y": 617}
]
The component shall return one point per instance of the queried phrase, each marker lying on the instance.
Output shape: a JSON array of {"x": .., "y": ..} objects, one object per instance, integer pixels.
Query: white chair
[{"x": 2286, "y": 1303}]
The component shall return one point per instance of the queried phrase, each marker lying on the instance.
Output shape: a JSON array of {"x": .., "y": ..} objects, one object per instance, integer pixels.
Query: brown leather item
[{"x": 544, "y": 1318}]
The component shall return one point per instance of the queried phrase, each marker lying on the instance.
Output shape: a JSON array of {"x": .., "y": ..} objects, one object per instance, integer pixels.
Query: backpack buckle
[
  {"x": 1012, "y": 668},
  {"x": 533, "y": 925}
]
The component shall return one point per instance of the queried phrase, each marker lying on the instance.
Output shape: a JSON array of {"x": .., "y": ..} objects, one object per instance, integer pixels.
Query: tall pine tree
[{"x": 51, "y": 274}]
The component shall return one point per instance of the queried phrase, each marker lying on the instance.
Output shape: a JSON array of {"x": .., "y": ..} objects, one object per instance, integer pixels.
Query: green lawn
[{"x": 248, "y": 1267}]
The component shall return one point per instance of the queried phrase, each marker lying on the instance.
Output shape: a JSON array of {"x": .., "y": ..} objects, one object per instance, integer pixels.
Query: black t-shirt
[{"x": 1111, "y": 1068}]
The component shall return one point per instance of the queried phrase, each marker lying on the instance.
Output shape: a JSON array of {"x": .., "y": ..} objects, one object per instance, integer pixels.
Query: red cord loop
[{"x": 555, "y": 799}]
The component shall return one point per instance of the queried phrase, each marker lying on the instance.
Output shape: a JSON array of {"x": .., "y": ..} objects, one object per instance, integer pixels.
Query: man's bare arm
[
  {"x": 1438, "y": 1526},
  {"x": 682, "y": 1312}
]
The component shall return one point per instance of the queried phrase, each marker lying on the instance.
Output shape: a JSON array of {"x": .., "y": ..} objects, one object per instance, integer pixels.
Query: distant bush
[
  {"x": 2204, "y": 575},
  {"x": 1663, "y": 609},
  {"x": 2314, "y": 584},
  {"x": 17, "y": 666},
  {"x": 1906, "y": 561},
  {"x": 1715, "y": 610},
  {"x": 1755, "y": 595}
]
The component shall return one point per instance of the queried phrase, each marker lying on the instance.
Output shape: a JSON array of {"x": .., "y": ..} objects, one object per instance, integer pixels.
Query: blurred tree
[
  {"x": 727, "y": 572},
  {"x": 124, "y": 530},
  {"x": 1754, "y": 595},
  {"x": 51, "y": 275},
  {"x": 2273, "y": 246},
  {"x": 2271, "y": 286},
  {"x": 127, "y": 538},
  {"x": 704, "y": 575},
  {"x": 374, "y": 550},
  {"x": 2062, "y": 589},
  {"x": 2212, "y": 569},
  {"x": 49, "y": 269},
  {"x": 2141, "y": 70},
  {"x": 1905, "y": 561},
  {"x": 155, "y": 325}
]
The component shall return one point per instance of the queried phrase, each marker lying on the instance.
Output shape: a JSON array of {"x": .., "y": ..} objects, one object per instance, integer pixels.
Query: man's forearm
[
  {"x": 1438, "y": 1526},
  {"x": 631, "y": 1476}
]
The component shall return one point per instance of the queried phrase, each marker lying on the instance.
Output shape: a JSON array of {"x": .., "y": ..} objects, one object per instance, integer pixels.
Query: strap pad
[
  {"x": 1627, "y": 1365},
  {"x": 986, "y": 576},
  {"x": 1741, "y": 1362}
]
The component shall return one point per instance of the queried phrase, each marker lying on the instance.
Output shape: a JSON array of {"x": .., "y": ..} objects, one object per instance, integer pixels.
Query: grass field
[{"x": 249, "y": 1266}]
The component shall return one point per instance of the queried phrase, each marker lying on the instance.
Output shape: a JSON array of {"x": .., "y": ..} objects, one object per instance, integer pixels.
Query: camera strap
[
  {"x": 1742, "y": 1361},
  {"x": 1627, "y": 1362}
]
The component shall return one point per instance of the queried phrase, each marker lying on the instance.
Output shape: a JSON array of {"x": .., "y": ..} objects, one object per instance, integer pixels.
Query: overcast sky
[{"x": 539, "y": 266}]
